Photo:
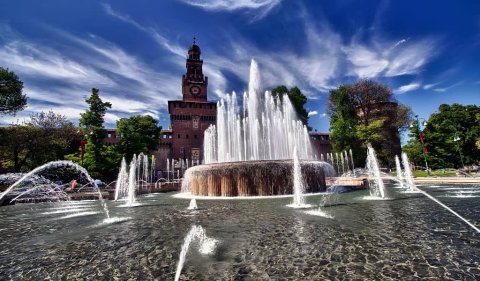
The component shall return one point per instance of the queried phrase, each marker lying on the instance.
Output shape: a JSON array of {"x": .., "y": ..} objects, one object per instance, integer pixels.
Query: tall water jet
[
  {"x": 267, "y": 129},
  {"x": 377, "y": 188},
  {"x": 121, "y": 186},
  {"x": 248, "y": 148},
  {"x": 298, "y": 183},
  {"x": 353, "y": 165},
  {"x": 193, "y": 204},
  {"x": 399, "y": 170},
  {"x": 408, "y": 172},
  {"x": 205, "y": 244},
  {"x": 152, "y": 172},
  {"x": 132, "y": 182}
]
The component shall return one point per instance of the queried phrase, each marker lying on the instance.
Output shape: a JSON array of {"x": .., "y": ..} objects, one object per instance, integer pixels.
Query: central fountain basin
[{"x": 254, "y": 178}]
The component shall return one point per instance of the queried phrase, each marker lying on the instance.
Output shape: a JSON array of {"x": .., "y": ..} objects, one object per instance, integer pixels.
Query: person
[{"x": 71, "y": 186}]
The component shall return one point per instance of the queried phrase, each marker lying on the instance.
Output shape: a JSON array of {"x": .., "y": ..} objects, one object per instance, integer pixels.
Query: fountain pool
[{"x": 405, "y": 237}]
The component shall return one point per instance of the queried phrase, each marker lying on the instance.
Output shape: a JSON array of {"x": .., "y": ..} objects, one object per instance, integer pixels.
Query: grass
[{"x": 436, "y": 173}]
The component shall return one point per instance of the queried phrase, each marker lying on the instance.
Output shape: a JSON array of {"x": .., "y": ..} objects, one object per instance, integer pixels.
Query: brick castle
[{"x": 190, "y": 116}]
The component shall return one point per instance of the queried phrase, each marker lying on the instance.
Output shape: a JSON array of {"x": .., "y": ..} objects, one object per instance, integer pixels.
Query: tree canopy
[
  {"x": 99, "y": 160},
  {"x": 366, "y": 112},
  {"x": 11, "y": 97},
  {"x": 44, "y": 137},
  {"x": 138, "y": 134},
  {"x": 451, "y": 136},
  {"x": 297, "y": 98}
]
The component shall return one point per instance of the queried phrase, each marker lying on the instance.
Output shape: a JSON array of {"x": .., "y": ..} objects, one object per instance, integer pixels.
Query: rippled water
[{"x": 407, "y": 237}]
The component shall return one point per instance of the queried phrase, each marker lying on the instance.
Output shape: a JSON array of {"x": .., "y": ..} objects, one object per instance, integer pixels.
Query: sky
[{"x": 426, "y": 52}]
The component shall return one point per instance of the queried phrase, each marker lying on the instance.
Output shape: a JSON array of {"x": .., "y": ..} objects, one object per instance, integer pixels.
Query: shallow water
[{"x": 406, "y": 237}]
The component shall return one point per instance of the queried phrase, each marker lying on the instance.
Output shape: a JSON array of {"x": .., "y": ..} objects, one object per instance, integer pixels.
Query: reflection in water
[{"x": 261, "y": 239}]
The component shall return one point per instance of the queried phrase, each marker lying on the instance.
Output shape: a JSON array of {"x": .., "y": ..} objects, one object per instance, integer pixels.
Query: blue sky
[{"x": 427, "y": 52}]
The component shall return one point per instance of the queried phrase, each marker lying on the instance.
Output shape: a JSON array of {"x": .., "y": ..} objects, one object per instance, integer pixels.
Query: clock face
[{"x": 195, "y": 90}]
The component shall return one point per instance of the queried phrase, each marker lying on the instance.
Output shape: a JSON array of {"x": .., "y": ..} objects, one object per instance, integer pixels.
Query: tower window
[
  {"x": 178, "y": 135},
  {"x": 195, "y": 136},
  {"x": 187, "y": 136}
]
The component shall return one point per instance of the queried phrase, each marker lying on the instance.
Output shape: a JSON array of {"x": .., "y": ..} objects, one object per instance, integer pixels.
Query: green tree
[
  {"x": 11, "y": 97},
  {"x": 92, "y": 121},
  {"x": 297, "y": 98},
  {"x": 451, "y": 135},
  {"x": 366, "y": 112},
  {"x": 44, "y": 137},
  {"x": 138, "y": 134},
  {"x": 343, "y": 124}
]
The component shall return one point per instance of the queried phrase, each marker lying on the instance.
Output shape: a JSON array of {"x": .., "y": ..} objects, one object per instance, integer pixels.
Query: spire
[{"x": 194, "y": 50}]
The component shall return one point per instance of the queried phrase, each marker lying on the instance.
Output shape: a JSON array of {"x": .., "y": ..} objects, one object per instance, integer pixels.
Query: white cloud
[
  {"x": 405, "y": 57},
  {"x": 312, "y": 113},
  {"x": 407, "y": 88},
  {"x": 444, "y": 89},
  {"x": 317, "y": 67},
  {"x": 262, "y": 7},
  {"x": 39, "y": 61},
  {"x": 366, "y": 63},
  {"x": 429, "y": 86},
  {"x": 63, "y": 80}
]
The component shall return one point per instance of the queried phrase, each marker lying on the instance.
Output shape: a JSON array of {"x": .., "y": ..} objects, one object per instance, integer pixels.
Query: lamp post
[
  {"x": 420, "y": 134},
  {"x": 456, "y": 139}
]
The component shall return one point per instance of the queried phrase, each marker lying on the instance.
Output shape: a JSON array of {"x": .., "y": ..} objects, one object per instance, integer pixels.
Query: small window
[
  {"x": 187, "y": 136},
  {"x": 178, "y": 135},
  {"x": 109, "y": 135},
  {"x": 195, "y": 136}
]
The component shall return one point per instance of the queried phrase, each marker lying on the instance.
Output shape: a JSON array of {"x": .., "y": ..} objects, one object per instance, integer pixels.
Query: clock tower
[
  {"x": 194, "y": 84},
  {"x": 191, "y": 116}
]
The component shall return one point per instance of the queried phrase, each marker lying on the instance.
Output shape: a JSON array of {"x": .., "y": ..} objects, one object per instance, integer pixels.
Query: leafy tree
[
  {"x": 91, "y": 121},
  {"x": 414, "y": 148},
  {"x": 371, "y": 133},
  {"x": 138, "y": 134},
  {"x": 297, "y": 98},
  {"x": 343, "y": 124},
  {"x": 11, "y": 97},
  {"x": 43, "y": 138},
  {"x": 366, "y": 112},
  {"x": 451, "y": 132}
]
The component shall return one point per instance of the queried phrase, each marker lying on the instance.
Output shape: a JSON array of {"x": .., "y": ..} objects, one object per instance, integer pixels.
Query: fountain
[
  {"x": 298, "y": 184},
  {"x": 205, "y": 246},
  {"x": 375, "y": 182},
  {"x": 55, "y": 164},
  {"x": 134, "y": 178},
  {"x": 121, "y": 185},
  {"x": 193, "y": 204},
  {"x": 399, "y": 171},
  {"x": 408, "y": 172},
  {"x": 132, "y": 182},
  {"x": 249, "y": 154}
]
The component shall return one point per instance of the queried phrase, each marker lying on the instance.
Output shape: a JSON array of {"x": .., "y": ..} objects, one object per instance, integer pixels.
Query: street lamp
[
  {"x": 456, "y": 139},
  {"x": 420, "y": 133}
]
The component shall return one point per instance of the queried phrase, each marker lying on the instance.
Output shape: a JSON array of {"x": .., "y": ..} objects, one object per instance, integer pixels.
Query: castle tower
[{"x": 192, "y": 115}]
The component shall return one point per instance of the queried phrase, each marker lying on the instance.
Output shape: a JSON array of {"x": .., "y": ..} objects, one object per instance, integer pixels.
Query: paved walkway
[{"x": 454, "y": 180}]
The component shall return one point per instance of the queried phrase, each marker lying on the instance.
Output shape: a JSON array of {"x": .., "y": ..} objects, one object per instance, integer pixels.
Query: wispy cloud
[
  {"x": 52, "y": 77},
  {"x": 157, "y": 37},
  {"x": 407, "y": 88},
  {"x": 429, "y": 86},
  {"x": 444, "y": 89},
  {"x": 260, "y": 7},
  {"x": 405, "y": 57},
  {"x": 312, "y": 113}
]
